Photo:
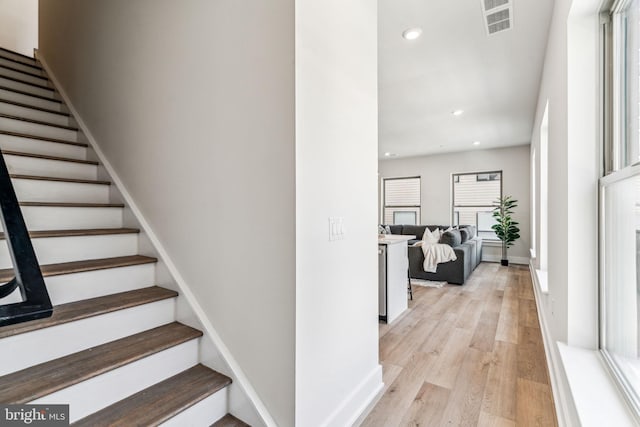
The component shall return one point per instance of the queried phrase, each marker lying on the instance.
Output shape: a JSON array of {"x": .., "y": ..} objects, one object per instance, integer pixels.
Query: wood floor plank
[
  {"x": 500, "y": 392},
  {"x": 509, "y": 317},
  {"x": 410, "y": 343},
  {"x": 436, "y": 342},
  {"x": 531, "y": 358},
  {"x": 428, "y": 406},
  {"x": 527, "y": 313},
  {"x": 389, "y": 374},
  {"x": 535, "y": 405},
  {"x": 449, "y": 362},
  {"x": 488, "y": 420},
  {"x": 465, "y": 402},
  {"x": 390, "y": 410},
  {"x": 486, "y": 388},
  {"x": 484, "y": 336}
]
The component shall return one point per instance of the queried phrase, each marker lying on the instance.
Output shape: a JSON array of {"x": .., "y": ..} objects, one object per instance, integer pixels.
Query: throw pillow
[
  {"x": 451, "y": 238},
  {"x": 428, "y": 237},
  {"x": 464, "y": 235}
]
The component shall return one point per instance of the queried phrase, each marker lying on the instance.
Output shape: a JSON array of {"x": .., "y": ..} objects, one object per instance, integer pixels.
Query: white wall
[
  {"x": 337, "y": 370},
  {"x": 436, "y": 170},
  {"x": 192, "y": 103},
  {"x": 19, "y": 25},
  {"x": 570, "y": 85}
]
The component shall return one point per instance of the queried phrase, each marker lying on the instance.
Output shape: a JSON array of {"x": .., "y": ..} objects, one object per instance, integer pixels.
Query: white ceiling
[{"x": 456, "y": 65}]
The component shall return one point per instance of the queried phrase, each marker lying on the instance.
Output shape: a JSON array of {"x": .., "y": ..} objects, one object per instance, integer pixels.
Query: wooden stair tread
[
  {"x": 42, "y": 138},
  {"x": 48, "y": 157},
  {"x": 40, "y": 380},
  {"x": 160, "y": 402},
  {"x": 40, "y": 234},
  {"x": 17, "y": 70},
  {"x": 82, "y": 266},
  {"x": 34, "y": 65},
  {"x": 38, "y": 122},
  {"x": 17, "y": 53},
  {"x": 73, "y": 205},
  {"x": 77, "y": 310},
  {"x": 57, "y": 179},
  {"x": 39, "y": 86},
  {"x": 21, "y": 92},
  {"x": 229, "y": 421},
  {"x": 31, "y": 107}
]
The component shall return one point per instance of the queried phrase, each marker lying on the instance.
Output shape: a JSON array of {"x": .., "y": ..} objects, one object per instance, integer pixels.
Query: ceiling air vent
[
  {"x": 492, "y": 4},
  {"x": 497, "y": 14}
]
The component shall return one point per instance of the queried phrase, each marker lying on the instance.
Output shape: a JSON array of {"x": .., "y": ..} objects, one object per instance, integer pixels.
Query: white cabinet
[{"x": 393, "y": 265}]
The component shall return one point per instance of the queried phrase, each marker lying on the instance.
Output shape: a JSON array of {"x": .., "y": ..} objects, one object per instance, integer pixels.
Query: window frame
[
  {"x": 453, "y": 194},
  {"x": 384, "y": 198},
  {"x": 614, "y": 167}
]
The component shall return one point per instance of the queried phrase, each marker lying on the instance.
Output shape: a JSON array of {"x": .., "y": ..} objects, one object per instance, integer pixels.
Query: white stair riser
[
  {"x": 16, "y": 57},
  {"x": 42, "y": 81},
  {"x": 22, "y": 165},
  {"x": 37, "y": 146},
  {"x": 70, "y": 218},
  {"x": 91, "y": 284},
  {"x": 29, "y": 113},
  {"x": 51, "y": 343},
  {"x": 25, "y": 68},
  {"x": 203, "y": 413},
  {"x": 31, "y": 190},
  {"x": 24, "y": 87},
  {"x": 20, "y": 126},
  {"x": 117, "y": 384},
  {"x": 55, "y": 250},
  {"x": 30, "y": 100}
]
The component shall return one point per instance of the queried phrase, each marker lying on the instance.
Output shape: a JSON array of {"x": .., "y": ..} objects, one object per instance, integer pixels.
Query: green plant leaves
[{"x": 505, "y": 228}]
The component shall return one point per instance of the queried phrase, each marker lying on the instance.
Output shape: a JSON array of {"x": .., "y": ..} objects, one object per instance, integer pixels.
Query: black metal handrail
[{"x": 36, "y": 303}]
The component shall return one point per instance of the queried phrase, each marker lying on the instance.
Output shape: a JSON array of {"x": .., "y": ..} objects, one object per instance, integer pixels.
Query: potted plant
[{"x": 505, "y": 227}]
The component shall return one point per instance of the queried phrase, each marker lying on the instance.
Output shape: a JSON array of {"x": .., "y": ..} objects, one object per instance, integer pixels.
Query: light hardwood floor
[{"x": 467, "y": 355}]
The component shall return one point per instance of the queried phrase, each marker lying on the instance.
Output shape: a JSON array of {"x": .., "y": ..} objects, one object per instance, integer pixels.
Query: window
[
  {"x": 401, "y": 200},
  {"x": 620, "y": 200},
  {"x": 474, "y": 195},
  {"x": 544, "y": 190}
]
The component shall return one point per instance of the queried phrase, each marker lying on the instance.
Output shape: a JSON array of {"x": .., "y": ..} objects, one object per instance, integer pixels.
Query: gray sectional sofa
[{"x": 465, "y": 243}]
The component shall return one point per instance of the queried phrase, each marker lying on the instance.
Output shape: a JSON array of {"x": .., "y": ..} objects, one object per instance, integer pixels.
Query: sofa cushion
[
  {"x": 415, "y": 230},
  {"x": 395, "y": 229},
  {"x": 464, "y": 235},
  {"x": 451, "y": 238}
]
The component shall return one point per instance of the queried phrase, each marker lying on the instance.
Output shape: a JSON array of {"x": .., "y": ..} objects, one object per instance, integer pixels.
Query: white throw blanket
[{"x": 436, "y": 253}]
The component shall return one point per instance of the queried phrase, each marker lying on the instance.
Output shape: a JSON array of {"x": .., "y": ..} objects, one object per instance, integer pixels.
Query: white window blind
[
  {"x": 402, "y": 200},
  {"x": 474, "y": 195}
]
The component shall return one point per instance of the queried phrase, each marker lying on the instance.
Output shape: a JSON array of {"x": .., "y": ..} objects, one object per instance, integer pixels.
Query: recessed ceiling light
[
  {"x": 412, "y": 33},
  {"x": 476, "y": 142},
  {"x": 387, "y": 154},
  {"x": 457, "y": 112}
]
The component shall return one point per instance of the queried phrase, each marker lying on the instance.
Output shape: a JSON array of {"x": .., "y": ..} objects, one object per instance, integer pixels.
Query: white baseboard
[
  {"x": 238, "y": 375},
  {"x": 565, "y": 408},
  {"x": 358, "y": 404},
  {"x": 512, "y": 259}
]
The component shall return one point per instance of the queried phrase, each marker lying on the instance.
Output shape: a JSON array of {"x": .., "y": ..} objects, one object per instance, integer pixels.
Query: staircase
[{"x": 112, "y": 349}]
